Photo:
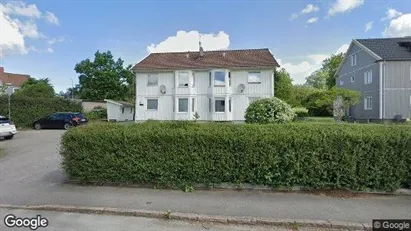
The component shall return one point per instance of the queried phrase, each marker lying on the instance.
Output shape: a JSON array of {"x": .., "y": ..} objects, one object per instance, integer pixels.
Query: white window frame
[
  {"x": 179, "y": 78},
  {"x": 254, "y": 82},
  {"x": 368, "y": 77},
  {"x": 215, "y": 103},
  {"x": 148, "y": 80},
  {"x": 178, "y": 105},
  {"x": 366, "y": 106},
  {"x": 352, "y": 79},
  {"x": 215, "y": 82},
  {"x": 353, "y": 60},
  {"x": 151, "y": 109},
  {"x": 341, "y": 82}
]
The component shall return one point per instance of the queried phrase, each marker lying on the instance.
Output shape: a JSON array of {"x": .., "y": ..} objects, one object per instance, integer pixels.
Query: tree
[
  {"x": 324, "y": 77},
  {"x": 104, "y": 78},
  {"x": 317, "y": 79},
  {"x": 300, "y": 95},
  {"x": 32, "y": 81},
  {"x": 37, "y": 90},
  {"x": 283, "y": 85}
]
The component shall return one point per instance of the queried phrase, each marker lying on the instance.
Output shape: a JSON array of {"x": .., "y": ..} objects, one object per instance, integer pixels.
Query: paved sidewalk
[{"x": 30, "y": 175}]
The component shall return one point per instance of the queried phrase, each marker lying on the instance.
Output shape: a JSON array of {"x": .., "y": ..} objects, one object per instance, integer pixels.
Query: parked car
[
  {"x": 64, "y": 120},
  {"x": 7, "y": 128}
]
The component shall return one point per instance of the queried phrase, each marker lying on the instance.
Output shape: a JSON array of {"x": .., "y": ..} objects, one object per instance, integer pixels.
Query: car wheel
[
  {"x": 8, "y": 137},
  {"x": 67, "y": 126},
  {"x": 37, "y": 126}
]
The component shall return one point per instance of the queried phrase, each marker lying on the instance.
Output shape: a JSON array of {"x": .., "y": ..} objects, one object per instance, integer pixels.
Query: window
[
  {"x": 219, "y": 78},
  {"x": 252, "y": 99},
  {"x": 368, "y": 103},
  {"x": 229, "y": 78},
  {"x": 183, "y": 105},
  {"x": 152, "y": 104},
  {"x": 368, "y": 77},
  {"x": 192, "y": 104},
  {"x": 353, "y": 59},
  {"x": 194, "y": 79},
  {"x": 220, "y": 105},
  {"x": 352, "y": 79},
  {"x": 152, "y": 80},
  {"x": 341, "y": 82},
  {"x": 183, "y": 79},
  {"x": 122, "y": 109},
  {"x": 254, "y": 77},
  {"x": 209, "y": 79},
  {"x": 131, "y": 110}
]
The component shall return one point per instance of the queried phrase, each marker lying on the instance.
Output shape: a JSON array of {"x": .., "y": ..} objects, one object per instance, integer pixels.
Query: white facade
[
  {"x": 215, "y": 94},
  {"x": 119, "y": 112}
]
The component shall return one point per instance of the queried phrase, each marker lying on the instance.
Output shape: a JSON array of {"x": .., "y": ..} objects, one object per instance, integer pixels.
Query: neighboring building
[
  {"x": 380, "y": 69},
  {"x": 218, "y": 85},
  {"x": 119, "y": 111},
  {"x": 89, "y": 105},
  {"x": 16, "y": 80}
]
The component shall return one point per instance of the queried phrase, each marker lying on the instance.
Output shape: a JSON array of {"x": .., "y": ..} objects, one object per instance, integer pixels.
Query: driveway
[{"x": 30, "y": 175}]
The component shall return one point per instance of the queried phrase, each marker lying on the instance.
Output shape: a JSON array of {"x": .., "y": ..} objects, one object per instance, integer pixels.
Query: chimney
[
  {"x": 188, "y": 55},
  {"x": 201, "y": 50},
  {"x": 1, "y": 70},
  {"x": 223, "y": 54}
]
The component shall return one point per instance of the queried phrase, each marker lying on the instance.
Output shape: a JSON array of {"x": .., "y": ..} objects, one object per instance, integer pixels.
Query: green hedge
[
  {"x": 318, "y": 156},
  {"x": 25, "y": 110}
]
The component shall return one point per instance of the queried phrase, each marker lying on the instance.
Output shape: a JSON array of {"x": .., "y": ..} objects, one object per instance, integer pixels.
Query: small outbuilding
[{"x": 119, "y": 110}]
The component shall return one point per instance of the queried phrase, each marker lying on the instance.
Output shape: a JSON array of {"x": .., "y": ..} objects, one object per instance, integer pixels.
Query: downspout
[
  {"x": 380, "y": 90},
  {"x": 385, "y": 67}
]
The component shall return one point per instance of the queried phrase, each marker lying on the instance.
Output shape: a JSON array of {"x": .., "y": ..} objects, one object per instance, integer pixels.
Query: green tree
[
  {"x": 330, "y": 67},
  {"x": 317, "y": 79},
  {"x": 104, "y": 78},
  {"x": 37, "y": 90},
  {"x": 32, "y": 81},
  {"x": 300, "y": 95},
  {"x": 283, "y": 85}
]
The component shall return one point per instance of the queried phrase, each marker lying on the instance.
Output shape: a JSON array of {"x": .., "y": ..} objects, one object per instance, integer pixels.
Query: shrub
[
  {"x": 97, "y": 113},
  {"x": 181, "y": 154},
  {"x": 269, "y": 110},
  {"x": 26, "y": 110},
  {"x": 300, "y": 111}
]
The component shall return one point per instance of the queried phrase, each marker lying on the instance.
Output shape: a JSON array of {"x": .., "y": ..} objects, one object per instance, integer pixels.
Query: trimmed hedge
[
  {"x": 26, "y": 110},
  {"x": 180, "y": 154}
]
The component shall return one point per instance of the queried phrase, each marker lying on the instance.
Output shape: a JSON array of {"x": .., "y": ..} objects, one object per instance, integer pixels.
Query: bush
[
  {"x": 269, "y": 110},
  {"x": 180, "y": 154},
  {"x": 26, "y": 110},
  {"x": 97, "y": 113},
  {"x": 300, "y": 111}
]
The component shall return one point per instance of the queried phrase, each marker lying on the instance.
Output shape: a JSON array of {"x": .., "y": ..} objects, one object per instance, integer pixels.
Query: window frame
[
  {"x": 254, "y": 82},
  {"x": 366, "y": 103},
  {"x": 179, "y": 78},
  {"x": 368, "y": 77},
  {"x": 147, "y": 109},
  {"x": 341, "y": 82},
  {"x": 352, "y": 78},
  {"x": 215, "y": 104},
  {"x": 219, "y": 85},
  {"x": 178, "y": 106},
  {"x": 148, "y": 80},
  {"x": 353, "y": 60}
]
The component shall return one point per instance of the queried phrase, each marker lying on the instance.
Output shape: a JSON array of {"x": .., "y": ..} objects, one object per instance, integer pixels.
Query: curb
[{"x": 234, "y": 220}]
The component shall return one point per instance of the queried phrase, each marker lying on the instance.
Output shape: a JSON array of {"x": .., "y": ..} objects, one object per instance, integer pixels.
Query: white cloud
[
  {"x": 56, "y": 40},
  {"x": 293, "y": 17},
  {"x": 312, "y": 20},
  {"x": 309, "y": 64},
  {"x": 342, "y": 6},
  {"x": 310, "y": 8},
  {"x": 343, "y": 48},
  {"x": 18, "y": 26},
  {"x": 188, "y": 41},
  {"x": 399, "y": 27},
  {"x": 391, "y": 13},
  {"x": 368, "y": 26},
  {"x": 19, "y": 8},
  {"x": 11, "y": 40},
  {"x": 50, "y": 50},
  {"x": 51, "y": 18}
]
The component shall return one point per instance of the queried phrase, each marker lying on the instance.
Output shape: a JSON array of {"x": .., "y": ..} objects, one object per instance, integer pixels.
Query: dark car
[{"x": 64, "y": 120}]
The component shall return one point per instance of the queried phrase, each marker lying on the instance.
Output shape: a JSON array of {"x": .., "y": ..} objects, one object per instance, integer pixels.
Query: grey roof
[{"x": 388, "y": 48}]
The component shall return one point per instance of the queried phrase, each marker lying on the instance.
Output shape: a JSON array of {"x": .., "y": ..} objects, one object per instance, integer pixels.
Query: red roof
[
  {"x": 16, "y": 80},
  {"x": 210, "y": 59}
]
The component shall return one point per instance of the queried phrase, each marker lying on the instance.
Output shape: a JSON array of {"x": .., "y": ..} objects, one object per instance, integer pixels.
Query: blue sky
[{"x": 47, "y": 38}]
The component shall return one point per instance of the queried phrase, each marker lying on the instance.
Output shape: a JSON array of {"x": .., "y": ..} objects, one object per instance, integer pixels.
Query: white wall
[
  {"x": 115, "y": 113},
  {"x": 168, "y": 102}
]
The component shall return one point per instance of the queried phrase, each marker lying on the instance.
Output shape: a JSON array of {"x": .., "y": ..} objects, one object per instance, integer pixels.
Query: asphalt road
[{"x": 30, "y": 175}]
